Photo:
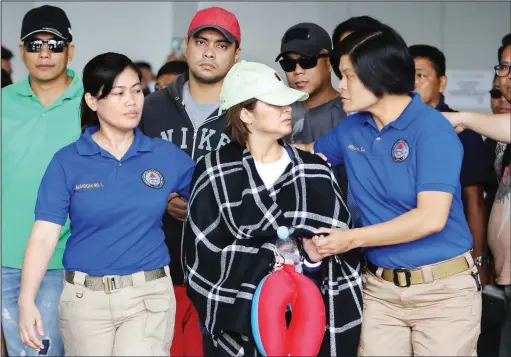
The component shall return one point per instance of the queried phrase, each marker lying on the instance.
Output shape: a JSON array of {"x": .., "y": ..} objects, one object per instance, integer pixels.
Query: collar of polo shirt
[
  {"x": 72, "y": 91},
  {"x": 405, "y": 119},
  {"x": 87, "y": 146}
]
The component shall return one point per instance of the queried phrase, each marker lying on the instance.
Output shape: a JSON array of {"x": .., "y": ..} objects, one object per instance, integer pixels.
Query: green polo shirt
[{"x": 31, "y": 134}]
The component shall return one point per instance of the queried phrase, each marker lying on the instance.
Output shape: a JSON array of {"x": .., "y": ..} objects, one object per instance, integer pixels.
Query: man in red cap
[{"x": 187, "y": 112}]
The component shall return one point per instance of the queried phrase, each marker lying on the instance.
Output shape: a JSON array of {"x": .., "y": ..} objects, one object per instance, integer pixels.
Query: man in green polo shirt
[{"x": 40, "y": 115}]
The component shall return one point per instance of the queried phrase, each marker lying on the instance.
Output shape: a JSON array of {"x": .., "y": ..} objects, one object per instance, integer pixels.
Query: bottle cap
[{"x": 283, "y": 232}]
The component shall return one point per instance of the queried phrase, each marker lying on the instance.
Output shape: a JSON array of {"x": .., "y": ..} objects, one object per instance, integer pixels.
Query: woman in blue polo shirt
[
  {"x": 113, "y": 182},
  {"x": 421, "y": 289}
]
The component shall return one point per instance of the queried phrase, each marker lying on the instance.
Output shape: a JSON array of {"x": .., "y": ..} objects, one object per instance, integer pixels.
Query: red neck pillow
[{"x": 271, "y": 299}]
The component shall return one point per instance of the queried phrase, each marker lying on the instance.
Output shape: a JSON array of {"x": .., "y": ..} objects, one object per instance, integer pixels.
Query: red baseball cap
[{"x": 218, "y": 19}]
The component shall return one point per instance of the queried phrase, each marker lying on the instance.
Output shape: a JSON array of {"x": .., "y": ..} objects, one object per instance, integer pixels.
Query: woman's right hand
[{"x": 30, "y": 317}]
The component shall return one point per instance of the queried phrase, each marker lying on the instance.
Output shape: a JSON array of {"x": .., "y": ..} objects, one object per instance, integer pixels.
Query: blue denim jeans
[{"x": 47, "y": 302}]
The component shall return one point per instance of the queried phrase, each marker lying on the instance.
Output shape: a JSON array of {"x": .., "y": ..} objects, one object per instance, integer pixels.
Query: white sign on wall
[{"x": 468, "y": 89}]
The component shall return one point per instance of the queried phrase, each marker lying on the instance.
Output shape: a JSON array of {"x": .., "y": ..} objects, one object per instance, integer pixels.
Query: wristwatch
[{"x": 482, "y": 261}]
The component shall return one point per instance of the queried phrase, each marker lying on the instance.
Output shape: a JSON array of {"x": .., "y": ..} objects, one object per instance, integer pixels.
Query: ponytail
[{"x": 88, "y": 116}]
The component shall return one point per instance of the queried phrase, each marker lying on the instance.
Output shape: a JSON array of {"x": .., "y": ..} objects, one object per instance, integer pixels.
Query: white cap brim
[
  {"x": 283, "y": 96},
  {"x": 53, "y": 32}
]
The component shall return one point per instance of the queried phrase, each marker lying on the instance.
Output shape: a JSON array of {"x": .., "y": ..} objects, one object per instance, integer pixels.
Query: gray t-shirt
[
  {"x": 310, "y": 124},
  {"x": 198, "y": 112}
]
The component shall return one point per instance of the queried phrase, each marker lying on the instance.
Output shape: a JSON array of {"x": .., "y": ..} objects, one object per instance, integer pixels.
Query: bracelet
[
  {"x": 482, "y": 261},
  {"x": 310, "y": 264}
]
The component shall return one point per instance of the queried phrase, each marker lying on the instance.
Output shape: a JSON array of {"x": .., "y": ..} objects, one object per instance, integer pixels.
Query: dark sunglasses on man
[
  {"x": 495, "y": 93},
  {"x": 306, "y": 62},
  {"x": 55, "y": 45}
]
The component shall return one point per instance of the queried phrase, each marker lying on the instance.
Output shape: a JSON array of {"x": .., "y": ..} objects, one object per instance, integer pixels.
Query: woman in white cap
[{"x": 240, "y": 196}]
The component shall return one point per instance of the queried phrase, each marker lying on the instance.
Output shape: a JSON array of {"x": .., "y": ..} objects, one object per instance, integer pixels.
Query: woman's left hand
[
  {"x": 336, "y": 242},
  {"x": 280, "y": 262}
]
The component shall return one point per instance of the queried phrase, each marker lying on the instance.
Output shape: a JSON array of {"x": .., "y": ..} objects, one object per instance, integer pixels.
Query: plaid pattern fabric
[
  {"x": 356, "y": 217},
  {"x": 229, "y": 241}
]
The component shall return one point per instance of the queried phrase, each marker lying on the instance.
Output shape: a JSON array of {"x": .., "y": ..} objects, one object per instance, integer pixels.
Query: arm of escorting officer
[
  {"x": 439, "y": 160},
  {"x": 493, "y": 126},
  {"x": 51, "y": 212},
  {"x": 329, "y": 146},
  {"x": 177, "y": 203}
]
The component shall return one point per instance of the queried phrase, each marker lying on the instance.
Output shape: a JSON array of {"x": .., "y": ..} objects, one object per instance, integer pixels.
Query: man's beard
[{"x": 203, "y": 80}]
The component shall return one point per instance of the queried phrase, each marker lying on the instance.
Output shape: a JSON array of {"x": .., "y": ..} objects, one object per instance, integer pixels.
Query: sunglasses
[
  {"x": 495, "y": 93},
  {"x": 54, "y": 45},
  {"x": 305, "y": 62}
]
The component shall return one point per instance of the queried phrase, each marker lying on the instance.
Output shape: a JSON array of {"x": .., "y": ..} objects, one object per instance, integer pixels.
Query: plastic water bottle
[{"x": 287, "y": 247}]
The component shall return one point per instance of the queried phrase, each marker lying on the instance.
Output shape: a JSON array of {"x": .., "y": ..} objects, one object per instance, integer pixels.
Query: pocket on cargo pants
[{"x": 161, "y": 313}]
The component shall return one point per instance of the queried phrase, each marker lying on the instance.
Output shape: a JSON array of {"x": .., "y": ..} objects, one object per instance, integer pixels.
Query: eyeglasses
[
  {"x": 289, "y": 65},
  {"x": 495, "y": 93},
  {"x": 54, "y": 45},
  {"x": 502, "y": 70}
]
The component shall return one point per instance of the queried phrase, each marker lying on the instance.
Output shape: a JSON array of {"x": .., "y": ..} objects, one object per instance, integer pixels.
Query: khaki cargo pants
[
  {"x": 438, "y": 318},
  {"x": 134, "y": 321}
]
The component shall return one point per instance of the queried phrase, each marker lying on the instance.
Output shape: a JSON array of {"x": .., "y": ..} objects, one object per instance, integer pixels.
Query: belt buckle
[
  {"x": 408, "y": 276},
  {"x": 112, "y": 283}
]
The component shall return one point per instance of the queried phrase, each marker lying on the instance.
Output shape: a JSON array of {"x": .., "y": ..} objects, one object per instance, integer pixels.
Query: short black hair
[
  {"x": 431, "y": 53},
  {"x": 354, "y": 24},
  {"x": 173, "y": 67},
  {"x": 6, "y": 54},
  {"x": 6, "y": 78},
  {"x": 380, "y": 59},
  {"x": 98, "y": 78},
  {"x": 506, "y": 41},
  {"x": 142, "y": 64}
]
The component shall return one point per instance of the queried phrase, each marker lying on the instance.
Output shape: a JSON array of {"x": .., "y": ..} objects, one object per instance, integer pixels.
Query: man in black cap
[
  {"x": 304, "y": 53},
  {"x": 40, "y": 115},
  {"x": 304, "y": 57},
  {"x": 47, "y": 27}
]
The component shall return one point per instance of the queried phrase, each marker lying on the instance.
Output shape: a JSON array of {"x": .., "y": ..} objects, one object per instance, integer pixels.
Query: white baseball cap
[{"x": 247, "y": 80}]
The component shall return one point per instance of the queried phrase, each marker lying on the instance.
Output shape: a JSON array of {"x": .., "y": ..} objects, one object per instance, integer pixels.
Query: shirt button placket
[
  {"x": 376, "y": 146},
  {"x": 118, "y": 169}
]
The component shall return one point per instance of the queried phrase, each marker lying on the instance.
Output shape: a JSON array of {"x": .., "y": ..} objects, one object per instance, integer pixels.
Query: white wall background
[
  {"x": 468, "y": 32},
  {"x": 12, "y": 14}
]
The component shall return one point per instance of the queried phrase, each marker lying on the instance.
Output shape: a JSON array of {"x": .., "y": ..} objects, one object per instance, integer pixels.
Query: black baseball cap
[
  {"x": 49, "y": 19},
  {"x": 305, "y": 38}
]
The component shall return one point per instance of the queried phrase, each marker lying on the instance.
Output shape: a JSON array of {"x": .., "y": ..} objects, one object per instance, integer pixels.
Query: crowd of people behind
[{"x": 140, "y": 211}]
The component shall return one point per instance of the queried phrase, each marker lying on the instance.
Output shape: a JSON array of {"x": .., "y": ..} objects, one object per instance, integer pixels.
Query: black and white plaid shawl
[{"x": 229, "y": 243}]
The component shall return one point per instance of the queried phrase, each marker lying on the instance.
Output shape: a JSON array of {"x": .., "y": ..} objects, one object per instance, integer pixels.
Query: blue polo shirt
[
  {"x": 115, "y": 206},
  {"x": 419, "y": 151}
]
